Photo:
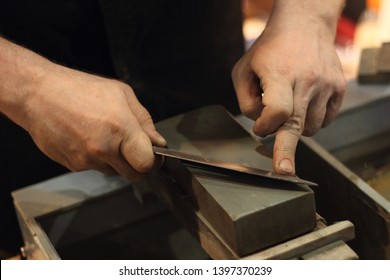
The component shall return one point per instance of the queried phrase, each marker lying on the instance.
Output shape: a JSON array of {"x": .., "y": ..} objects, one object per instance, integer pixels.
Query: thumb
[
  {"x": 136, "y": 148},
  {"x": 145, "y": 120},
  {"x": 155, "y": 137}
]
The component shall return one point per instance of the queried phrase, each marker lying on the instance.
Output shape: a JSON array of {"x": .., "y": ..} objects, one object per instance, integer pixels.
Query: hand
[
  {"x": 88, "y": 122},
  {"x": 290, "y": 81}
]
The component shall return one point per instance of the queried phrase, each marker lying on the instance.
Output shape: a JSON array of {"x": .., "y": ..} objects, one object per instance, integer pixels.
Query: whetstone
[
  {"x": 374, "y": 65},
  {"x": 248, "y": 212}
]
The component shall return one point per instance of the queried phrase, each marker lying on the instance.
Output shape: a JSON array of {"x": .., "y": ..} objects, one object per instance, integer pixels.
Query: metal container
[
  {"x": 87, "y": 215},
  {"x": 342, "y": 158}
]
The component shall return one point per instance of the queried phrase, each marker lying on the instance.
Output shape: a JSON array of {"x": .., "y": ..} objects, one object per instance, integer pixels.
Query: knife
[{"x": 204, "y": 161}]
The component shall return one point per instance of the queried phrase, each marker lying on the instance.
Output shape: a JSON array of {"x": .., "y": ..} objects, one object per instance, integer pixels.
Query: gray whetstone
[
  {"x": 248, "y": 212},
  {"x": 384, "y": 58},
  {"x": 371, "y": 67}
]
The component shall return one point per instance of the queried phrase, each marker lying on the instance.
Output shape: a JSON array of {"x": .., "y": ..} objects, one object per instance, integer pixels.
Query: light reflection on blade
[{"x": 229, "y": 166}]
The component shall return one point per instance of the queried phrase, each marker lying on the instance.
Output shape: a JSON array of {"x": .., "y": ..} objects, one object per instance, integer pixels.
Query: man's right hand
[{"x": 82, "y": 121}]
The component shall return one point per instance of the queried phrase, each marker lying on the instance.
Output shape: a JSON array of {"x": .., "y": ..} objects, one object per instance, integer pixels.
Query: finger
[
  {"x": 136, "y": 146},
  {"x": 89, "y": 163},
  {"x": 137, "y": 150},
  {"x": 106, "y": 169},
  {"x": 80, "y": 162},
  {"x": 145, "y": 120},
  {"x": 123, "y": 168},
  {"x": 248, "y": 91},
  {"x": 288, "y": 134},
  {"x": 278, "y": 106},
  {"x": 333, "y": 107},
  {"x": 315, "y": 114},
  {"x": 286, "y": 141},
  {"x": 334, "y": 103}
]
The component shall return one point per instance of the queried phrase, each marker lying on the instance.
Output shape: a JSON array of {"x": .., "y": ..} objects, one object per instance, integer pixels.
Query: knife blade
[{"x": 229, "y": 166}]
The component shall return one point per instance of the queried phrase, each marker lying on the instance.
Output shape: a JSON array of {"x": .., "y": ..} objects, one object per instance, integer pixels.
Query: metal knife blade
[{"x": 229, "y": 166}]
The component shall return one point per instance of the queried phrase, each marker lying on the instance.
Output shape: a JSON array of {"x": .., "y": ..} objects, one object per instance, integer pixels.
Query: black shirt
[{"x": 69, "y": 32}]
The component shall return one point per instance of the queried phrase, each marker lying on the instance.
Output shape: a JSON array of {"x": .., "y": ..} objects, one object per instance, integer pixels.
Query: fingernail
[
  {"x": 160, "y": 140},
  {"x": 286, "y": 166}
]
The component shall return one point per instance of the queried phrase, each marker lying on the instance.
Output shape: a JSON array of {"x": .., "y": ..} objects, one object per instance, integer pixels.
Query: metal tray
[{"x": 344, "y": 158}]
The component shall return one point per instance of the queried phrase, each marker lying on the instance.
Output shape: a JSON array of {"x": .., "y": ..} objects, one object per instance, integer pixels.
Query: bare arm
[
  {"x": 80, "y": 120},
  {"x": 295, "y": 65}
]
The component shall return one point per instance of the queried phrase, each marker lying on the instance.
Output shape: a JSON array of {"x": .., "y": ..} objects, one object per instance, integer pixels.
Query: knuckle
[
  {"x": 262, "y": 131},
  {"x": 281, "y": 112},
  {"x": 341, "y": 87},
  {"x": 143, "y": 165},
  {"x": 311, "y": 78},
  {"x": 312, "y": 127},
  {"x": 247, "y": 110},
  {"x": 286, "y": 149},
  {"x": 121, "y": 88},
  {"x": 295, "y": 124},
  {"x": 328, "y": 85},
  {"x": 283, "y": 70},
  {"x": 337, "y": 87},
  {"x": 116, "y": 126},
  {"x": 81, "y": 163},
  {"x": 144, "y": 116},
  {"x": 333, "y": 106},
  {"x": 140, "y": 161},
  {"x": 127, "y": 89},
  {"x": 96, "y": 150},
  {"x": 238, "y": 69},
  {"x": 77, "y": 159}
]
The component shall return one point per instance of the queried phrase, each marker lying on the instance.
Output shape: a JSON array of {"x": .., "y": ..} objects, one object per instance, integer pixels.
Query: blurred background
[{"x": 363, "y": 24}]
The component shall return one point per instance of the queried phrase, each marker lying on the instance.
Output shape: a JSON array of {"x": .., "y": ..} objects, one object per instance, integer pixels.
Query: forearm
[
  {"x": 80, "y": 120},
  {"x": 21, "y": 71}
]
